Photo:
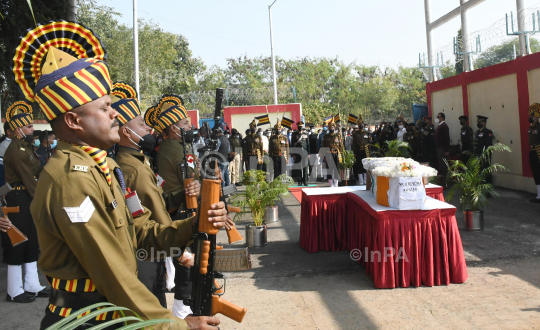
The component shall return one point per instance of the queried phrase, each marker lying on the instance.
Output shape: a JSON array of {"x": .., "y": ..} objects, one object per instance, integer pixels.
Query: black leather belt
[{"x": 76, "y": 300}]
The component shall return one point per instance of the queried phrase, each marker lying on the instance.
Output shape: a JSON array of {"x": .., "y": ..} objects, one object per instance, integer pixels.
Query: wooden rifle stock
[
  {"x": 15, "y": 235},
  {"x": 228, "y": 309},
  {"x": 232, "y": 234},
  {"x": 191, "y": 201}
]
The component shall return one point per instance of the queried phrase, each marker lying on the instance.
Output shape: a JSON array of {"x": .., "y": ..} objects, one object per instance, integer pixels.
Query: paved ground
[{"x": 291, "y": 289}]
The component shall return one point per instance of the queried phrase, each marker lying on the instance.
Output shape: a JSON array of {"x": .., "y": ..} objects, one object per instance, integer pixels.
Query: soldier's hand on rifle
[
  {"x": 5, "y": 224},
  {"x": 194, "y": 188},
  {"x": 201, "y": 322},
  {"x": 217, "y": 214},
  {"x": 229, "y": 224},
  {"x": 186, "y": 259}
]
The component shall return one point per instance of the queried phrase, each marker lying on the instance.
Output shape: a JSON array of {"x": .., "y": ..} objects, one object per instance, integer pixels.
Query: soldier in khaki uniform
[
  {"x": 21, "y": 169},
  {"x": 236, "y": 154},
  {"x": 278, "y": 150},
  {"x": 333, "y": 148},
  {"x": 360, "y": 148},
  {"x": 170, "y": 118},
  {"x": 89, "y": 239},
  {"x": 135, "y": 138},
  {"x": 254, "y": 153}
]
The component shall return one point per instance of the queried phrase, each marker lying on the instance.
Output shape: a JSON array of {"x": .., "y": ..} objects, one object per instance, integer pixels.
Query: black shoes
[
  {"x": 238, "y": 184},
  {"x": 25, "y": 297},
  {"x": 535, "y": 200},
  {"x": 45, "y": 293}
]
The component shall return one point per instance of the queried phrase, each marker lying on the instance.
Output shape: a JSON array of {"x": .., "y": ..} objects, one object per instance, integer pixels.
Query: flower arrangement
[{"x": 404, "y": 169}]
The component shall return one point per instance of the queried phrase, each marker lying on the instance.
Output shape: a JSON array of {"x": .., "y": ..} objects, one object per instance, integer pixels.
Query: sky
[{"x": 379, "y": 32}]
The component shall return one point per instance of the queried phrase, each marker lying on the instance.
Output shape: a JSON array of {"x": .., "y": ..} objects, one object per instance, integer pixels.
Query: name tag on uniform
[
  {"x": 160, "y": 181},
  {"x": 22, "y": 149},
  {"x": 282, "y": 141},
  {"x": 134, "y": 204},
  {"x": 365, "y": 136},
  {"x": 80, "y": 168},
  {"x": 463, "y": 133},
  {"x": 481, "y": 134}
]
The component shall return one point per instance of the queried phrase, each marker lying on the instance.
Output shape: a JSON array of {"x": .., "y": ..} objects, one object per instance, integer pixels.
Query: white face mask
[
  {"x": 436, "y": 120},
  {"x": 400, "y": 126},
  {"x": 140, "y": 138}
]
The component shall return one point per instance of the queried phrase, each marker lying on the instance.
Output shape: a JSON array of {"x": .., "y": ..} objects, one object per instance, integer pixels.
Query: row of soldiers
[
  {"x": 93, "y": 244},
  {"x": 420, "y": 138}
]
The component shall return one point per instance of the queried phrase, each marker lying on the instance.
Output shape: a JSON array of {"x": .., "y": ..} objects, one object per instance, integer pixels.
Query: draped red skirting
[{"x": 397, "y": 248}]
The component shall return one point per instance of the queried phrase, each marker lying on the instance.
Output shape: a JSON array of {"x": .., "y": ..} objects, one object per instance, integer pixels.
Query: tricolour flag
[
  {"x": 328, "y": 119},
  {"x": 286, "y": 122},
  {"x": 337, "y": 118},
  {"x": 263, "y": 120},
  {"x": 352, "y": 119}
]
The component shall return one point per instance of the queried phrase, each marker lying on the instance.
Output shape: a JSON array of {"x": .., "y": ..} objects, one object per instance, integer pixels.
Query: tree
[
  {"x": 503, "y": 52},
  {"x": 166, "y": 64},
  {"x": 17, "y": 19}
]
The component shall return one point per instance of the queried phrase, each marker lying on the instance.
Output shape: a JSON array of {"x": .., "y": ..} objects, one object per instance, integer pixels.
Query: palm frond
[{"x": 469, "y": 180}]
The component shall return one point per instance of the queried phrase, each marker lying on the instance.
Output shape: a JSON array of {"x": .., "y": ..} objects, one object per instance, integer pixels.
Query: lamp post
[
  {"x": 273, "y": 58},
  {"x": 136, "y": 49}
]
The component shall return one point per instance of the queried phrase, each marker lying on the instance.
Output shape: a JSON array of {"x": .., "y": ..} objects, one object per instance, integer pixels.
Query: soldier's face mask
[
  {"x": 533, "y": 120},
  {"x": 480, "y": 125},
  {"x": 462, "y": 123},
  {"x": 146, "y": 143}
]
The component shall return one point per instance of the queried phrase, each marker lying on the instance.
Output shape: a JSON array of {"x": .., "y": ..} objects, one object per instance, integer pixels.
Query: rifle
[
  {"x": 232, "y": 234},
  {"x": 206, "y": 293},
  {"x": 191, "y": 201},
  {"x": 15, "y": 235}
]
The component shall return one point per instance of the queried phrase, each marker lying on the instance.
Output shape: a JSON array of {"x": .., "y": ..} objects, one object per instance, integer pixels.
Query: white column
[
  {"x": 466, "y": 40},
  {"x": 136, "y": 49},
  {"x": 427, "y": 8},
  {"x": 72, "y": 12},
  {"x": 521, "y": 6},
  {"x": 272, "y": 48}
]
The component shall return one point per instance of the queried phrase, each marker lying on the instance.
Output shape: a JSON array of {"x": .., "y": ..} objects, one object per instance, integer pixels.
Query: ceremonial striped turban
[
  {"x": 534, "y": 110},
  {"x": 61, "y": 66},
  {"x": 124, "y": 101},
  {"x": 19, "y": 114},
  {"x": 170, "y": 110},
  {"x": 150, "y": 116}
]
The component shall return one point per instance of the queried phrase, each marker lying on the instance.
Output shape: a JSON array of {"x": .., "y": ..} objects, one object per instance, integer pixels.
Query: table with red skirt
[{"x": 397, "y": 248}]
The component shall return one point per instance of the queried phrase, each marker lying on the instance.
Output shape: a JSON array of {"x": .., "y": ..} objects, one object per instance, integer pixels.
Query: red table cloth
[
  {"x": 322, "y": 217},
  {"x": 429, "y": 238},
  {"x": 404, "y": 248}
]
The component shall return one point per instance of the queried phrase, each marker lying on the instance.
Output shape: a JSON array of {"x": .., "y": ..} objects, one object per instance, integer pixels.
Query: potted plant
[
  {"x": 346, "y": 164},
  {"x": 393, "y": 148},
  {"x": 257, "y": 196},
  {"x": 469, "y": 180}
]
